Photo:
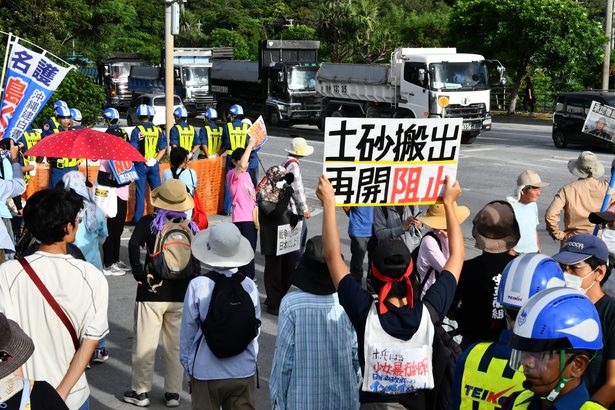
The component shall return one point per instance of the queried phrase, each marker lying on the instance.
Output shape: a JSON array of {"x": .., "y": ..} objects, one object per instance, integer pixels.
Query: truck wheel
[
  {"x": 321, "y": 122},
  {"x": 273, "y": 119},
  {"x": 559, "y": 139},
  {"x": 468, "y": 138},
  {"x": 403, "y": 114},
  {"x": 372, "y": 112}
]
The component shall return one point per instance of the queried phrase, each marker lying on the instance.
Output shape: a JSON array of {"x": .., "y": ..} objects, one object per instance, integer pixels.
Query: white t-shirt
[
  {"x": 82, "y": 292},
  {"x": 527, "y": 218}
]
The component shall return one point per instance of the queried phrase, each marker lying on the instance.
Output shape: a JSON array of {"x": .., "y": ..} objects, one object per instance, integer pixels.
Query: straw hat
[
  {"x": 435, "y": 217},
  {"x": 300, "y": 147},
  {"x": 15, "y": 347},
  {"x": 172, "y": 196},
  {"x": 222, "y": 246}
]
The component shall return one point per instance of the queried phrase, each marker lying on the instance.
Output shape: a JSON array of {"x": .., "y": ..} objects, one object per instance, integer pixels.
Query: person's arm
[
  {"x": 605, "y": 395},
  {"x": 189, "y": 328},
  {"x": 134, "y": 138},
  {"x": 244, "y": 162},
  {"x": 174, "y": 137},
  {"x": 283, "y": 359},
  {"x": 431, "y": 254},
  {"x": 552, "y": 216},
  {"x": 455, "y": 236},
  {"x": 161, "y": 145},
  {"x": 330, "y": 234},
  {"x": 137, "y": 240},
  {"x": 77, "y": 366},
  {"x": 196, "y": 143}
]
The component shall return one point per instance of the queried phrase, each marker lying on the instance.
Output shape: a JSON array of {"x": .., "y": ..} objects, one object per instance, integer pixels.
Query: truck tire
[
  {"x": 468, "y": 138},
  {"x": 401, "y": 113},
  {"x": 373, "y": 112},
  {"x": 273, "y": 119}
]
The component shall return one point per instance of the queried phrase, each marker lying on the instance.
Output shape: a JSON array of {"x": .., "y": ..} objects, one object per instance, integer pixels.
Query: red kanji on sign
[
  {"x": 433, "y": 186},
  {"x": 15, "y": 89},
  {"x": 405, "y": 185}
]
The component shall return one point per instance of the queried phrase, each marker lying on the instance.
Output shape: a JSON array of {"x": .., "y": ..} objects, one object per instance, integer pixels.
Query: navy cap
[{"x": 579, "y": 247}]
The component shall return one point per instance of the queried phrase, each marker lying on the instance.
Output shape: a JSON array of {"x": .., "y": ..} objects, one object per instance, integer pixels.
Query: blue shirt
[
  {"x": 315, "y": 364},
  {"x": 174, "y": 134},
  {"x": 361, "y": 221},
  {"x": 88, "y": 242},
  {"x": 203, "y": 133},
  {"x": 194, "y": 354},
  {"x": 49, "y": 127},
  {"x": 134, "y": 137}
]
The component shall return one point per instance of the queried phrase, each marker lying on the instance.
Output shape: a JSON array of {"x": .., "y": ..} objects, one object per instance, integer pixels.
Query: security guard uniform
[
  {"x": 58, "y": 166},
  {"x": 234, "y": 135},
  {"x": 30, "y": 138},
  {"x": 211, "y": 135},
  {"x": 118, "y": 132},
  {"x": 184, "y": 135},
  {"x": 149, "y": 140},
  {"x": 577, "y": 398}
]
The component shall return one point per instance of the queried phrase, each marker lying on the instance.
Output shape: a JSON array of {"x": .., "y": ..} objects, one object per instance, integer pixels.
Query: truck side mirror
[
  {"x": 280, "y": 77},
  {"x": 502, "y": 72},
  {"x": 421, "y": 74}
]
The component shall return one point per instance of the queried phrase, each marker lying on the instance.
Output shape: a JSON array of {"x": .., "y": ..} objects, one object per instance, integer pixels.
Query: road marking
[
  {"x": 287, "y": 138},
  {"x": 465, "y": 151}
]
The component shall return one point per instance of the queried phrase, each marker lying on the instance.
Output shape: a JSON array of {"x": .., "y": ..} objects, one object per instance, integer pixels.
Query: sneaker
[
  {"x": 140, "y": 400},
  {"x": 122, "y": 266},
  {"x": 113, "y": 271},
  {"x": 172, "y": 399},
  {"x": 100, "y": 356}
]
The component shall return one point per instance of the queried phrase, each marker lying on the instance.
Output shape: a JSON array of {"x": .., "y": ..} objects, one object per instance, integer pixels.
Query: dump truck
[
  {"x": 113, "y": 75},
  {"x": 418, "y": 83}
]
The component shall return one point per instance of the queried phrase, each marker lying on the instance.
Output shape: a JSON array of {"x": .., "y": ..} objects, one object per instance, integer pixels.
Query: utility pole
[
  {"x": 606, "y": 66},
  {"x": 171, "y": 27}
]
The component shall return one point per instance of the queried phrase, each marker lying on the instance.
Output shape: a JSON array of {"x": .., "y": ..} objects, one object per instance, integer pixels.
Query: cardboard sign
[
  {"x": 397, "y": 369},
  {"x": 124, "y": 172},
  {"x": 289, "y": 239},
  {"x": 600, "y": 121},
  {"x": 372, "y": 161},
  {"x": 258, "y": 132}
]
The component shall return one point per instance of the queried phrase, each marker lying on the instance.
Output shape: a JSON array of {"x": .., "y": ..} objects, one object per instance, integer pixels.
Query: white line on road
[{"x": 465, "y": 151}]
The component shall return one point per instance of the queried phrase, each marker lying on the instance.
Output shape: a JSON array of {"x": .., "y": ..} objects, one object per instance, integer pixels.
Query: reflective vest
[
  {"x": 214, "y": 139},
  {"x": 56, "y": 125},
  {"x": 486, "y": 384},
  {"x": 147, "y": 146},
  {"x": 31, "y": 139},
  {"x": 186, "y": 137},
  {"x": 62, "y": 162},
  {"x": 523, "y": 400},
  {"x": 237, "y": 136}
]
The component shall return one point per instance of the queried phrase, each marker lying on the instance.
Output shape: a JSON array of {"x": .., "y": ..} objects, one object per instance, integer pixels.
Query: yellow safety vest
[
  {"x": 523, "y": 400},
  {"x": 237, "y": 135},
  {"x": 214, "y": 139},
  {"x": 186, "y": 136},
  {"x": 486, "y": 385},
  {"x": 150, "y": 141},
  {"x": 63, "y": 162},
  {"x": 31, "y": 139},
  {"x": 56, "y": 125}
]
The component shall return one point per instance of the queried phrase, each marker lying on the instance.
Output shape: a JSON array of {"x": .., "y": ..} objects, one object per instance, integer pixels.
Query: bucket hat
[
  {"x": 312, "y": 273},
  {"x": 300, "y": 147},
  {"x": 435, "y": 217},
  {"x": 495, "y": 227},
  {"x": 587, "y": 165},
  {"x": 15, "y": 346},
  {"x": 172, "y": 196},
  {"x": 222, "y": 246}
]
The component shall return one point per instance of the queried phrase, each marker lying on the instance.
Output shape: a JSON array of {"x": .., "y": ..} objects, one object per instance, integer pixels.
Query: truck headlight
[{"x": 443, "y": 101}]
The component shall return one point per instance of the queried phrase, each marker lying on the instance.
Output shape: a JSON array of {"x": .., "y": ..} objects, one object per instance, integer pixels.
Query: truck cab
[{"x": 114, "y": 74}]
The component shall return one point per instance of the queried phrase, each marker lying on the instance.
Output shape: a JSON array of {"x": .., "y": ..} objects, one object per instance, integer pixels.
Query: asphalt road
[{"x": 488, "y": 170}]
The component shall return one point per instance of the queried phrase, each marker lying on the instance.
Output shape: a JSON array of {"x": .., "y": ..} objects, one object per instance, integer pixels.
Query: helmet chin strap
[{"x": 562, "y": 380}]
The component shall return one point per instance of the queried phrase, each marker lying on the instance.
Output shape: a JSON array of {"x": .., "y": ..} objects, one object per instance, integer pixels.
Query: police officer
[
  {"x": 182, "y": 134},
  {"x": 75, "y": 119},
  {"x": 483, "y": 379},
  {"x": 112, "y": 116},
  {"x": 211, "y": 135},
  {"x": 59, "y": 166},
  {"x": 151, "y": 143}
]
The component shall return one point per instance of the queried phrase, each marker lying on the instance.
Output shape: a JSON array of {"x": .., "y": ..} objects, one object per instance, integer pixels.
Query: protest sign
[
  {"x": 124, "y": 172},
  {"x": 397, "y": 369},
  {"x": 31, "y": 80},
  {"x": 600, "y": 121},
  {"x": 289, "y": 239},
  {"x": 258, "y": 132},
  {"x": 373, "y": 161}
]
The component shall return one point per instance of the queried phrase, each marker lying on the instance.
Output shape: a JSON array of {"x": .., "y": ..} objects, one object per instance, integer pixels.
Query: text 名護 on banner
[{"x": 373, "y": 161}]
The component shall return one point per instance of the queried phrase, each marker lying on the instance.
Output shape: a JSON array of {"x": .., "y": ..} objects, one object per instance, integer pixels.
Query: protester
[
  {"x": 78, "y": 288},
  {"x": 584, "y": 259},
  {"x": 75, "y": 119},
  {"x": 396, "y": 319},
  {"x": 360, "y": 222},
  {"x": 554, "y": 338},
  {"x": 578, "y": 198},
  {"x": 159, "y": 301},
  {"x": 606, "y": 221},
  {"x": 18, "y": 392},
  {"x": 221, "y": 382},
  {"x": 483, "y": 367},
  {"x": 211, "y": 135},
  {"x": 274, "y": 194},
  {"x": 398, "y": 222},
  {"x": 184, "y": 135},
  {"x": 480, "y": 316},
  {"x": 234, "y": 135},
  {"x": 9, "y": 188},
  {"x": 298, "y": 149},
  {"x": 528, "y": 191},
  {"x": 316, "y": 342},
  {"x": 434, "y": 251},
  {"x": 244, "y": 212}
]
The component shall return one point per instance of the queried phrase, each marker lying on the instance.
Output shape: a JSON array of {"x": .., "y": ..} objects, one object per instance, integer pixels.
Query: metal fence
[{"x": 500, "y": 99}]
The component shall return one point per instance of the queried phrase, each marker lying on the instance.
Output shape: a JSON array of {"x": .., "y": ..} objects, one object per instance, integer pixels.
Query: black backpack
[
  {"x": 415, "y": 258},
  {"x": 231, "y": 323}
]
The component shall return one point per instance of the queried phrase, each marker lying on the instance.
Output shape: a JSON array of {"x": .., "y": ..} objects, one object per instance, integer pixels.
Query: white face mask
[
  {"x": 608, "y": 236},
  {"x": 576, "y": 282}
]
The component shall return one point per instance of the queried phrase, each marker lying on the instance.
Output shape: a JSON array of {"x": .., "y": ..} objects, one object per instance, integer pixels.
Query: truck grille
[
  {"x": 202, "y": 97},
  {"x": 468, "y": 111}
]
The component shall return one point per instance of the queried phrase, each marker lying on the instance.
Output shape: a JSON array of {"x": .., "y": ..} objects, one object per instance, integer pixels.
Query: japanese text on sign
[
  {"x": 258, "y": 132},
  {"x": 289, "y": 238},
  {"x": 124, "y": 172},
  {"x": 397, "y": 371},
  {"x": 390, "y": 161},
  {"x": 600, "y": 121}
]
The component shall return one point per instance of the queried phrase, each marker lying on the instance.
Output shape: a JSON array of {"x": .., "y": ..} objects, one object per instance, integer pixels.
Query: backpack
[
  {"x": 231, "y": 323},
  {"x": 172, "y": 257},
  {"x": 444, "y": 358},
  {"x": 415, "y": 259}
]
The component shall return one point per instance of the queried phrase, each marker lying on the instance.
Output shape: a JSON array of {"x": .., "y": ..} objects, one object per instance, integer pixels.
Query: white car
[{"x": 157, "y": 101}]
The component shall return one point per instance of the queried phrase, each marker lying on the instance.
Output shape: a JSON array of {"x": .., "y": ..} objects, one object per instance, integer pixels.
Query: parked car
[
  {"x": 157, "y": 101},
  {"x": 570, "y": 113}
]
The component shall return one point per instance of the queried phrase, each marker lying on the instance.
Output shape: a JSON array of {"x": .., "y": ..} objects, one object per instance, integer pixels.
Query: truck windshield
[
  {"x": 459, "y": 76},
  {"x": 122, "y": 70},
  {"x": 196, "y": 76},
  {"x": 302, "y": 79}
]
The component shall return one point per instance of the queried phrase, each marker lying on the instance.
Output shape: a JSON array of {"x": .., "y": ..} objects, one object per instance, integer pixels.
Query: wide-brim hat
[
  {"x": 312, "y": 274},
  {"x": 16, "y": 347},
  {"x": 172, "y": 196},
  {"x": 300, "y": 147},
  {"x": 586, "y": 165},
  {"x": 435, "y": 216},
  {"x": 495, "y": 227},
  {"x": 222, "y": 246}
]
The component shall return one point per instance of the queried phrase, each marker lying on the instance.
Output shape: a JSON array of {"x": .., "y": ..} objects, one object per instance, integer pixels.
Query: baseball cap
[
  {"x": 603, "y": 217},
  {"x": 391, "y": 257},
  {"x": 583, "y": 246},
  {"x": 531, "y": 178}
]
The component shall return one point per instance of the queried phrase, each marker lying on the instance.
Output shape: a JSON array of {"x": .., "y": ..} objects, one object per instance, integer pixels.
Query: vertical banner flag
[
  {"x": 31, "y": 79},
  {"x": 373, "y": 161}
]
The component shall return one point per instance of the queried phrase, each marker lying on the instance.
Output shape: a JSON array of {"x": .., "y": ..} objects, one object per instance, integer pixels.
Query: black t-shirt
[
  {"x": 400, "y": 323},
  {"x": 595, "y": 375},
  {"x": 42, "y": 397},
  {"x": 479, "y": 315}
]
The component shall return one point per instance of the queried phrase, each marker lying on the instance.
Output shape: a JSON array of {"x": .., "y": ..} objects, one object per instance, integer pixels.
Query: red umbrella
[{"x": 85, "y": 143}]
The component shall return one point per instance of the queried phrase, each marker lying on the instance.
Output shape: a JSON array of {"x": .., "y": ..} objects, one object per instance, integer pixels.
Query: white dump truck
[{"x": 419, "y": 83}]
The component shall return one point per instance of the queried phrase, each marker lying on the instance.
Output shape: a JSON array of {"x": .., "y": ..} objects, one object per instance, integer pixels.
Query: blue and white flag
[{"x": 31, "y": 79}]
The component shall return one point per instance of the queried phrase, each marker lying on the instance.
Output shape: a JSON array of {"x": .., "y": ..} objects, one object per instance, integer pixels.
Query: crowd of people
[{"x": 407, "y": 324}]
